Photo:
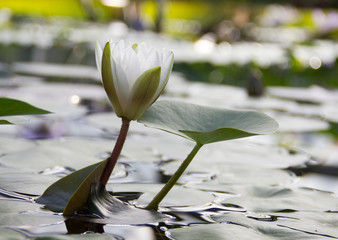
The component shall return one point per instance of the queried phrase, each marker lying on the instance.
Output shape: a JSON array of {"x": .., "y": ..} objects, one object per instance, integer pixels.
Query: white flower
[{"x": 133, "y": 76}]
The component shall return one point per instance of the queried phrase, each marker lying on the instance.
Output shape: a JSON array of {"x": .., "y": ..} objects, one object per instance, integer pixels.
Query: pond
[
  {"x": 253, "y": 188},
  {"x": 282, "y": 62}
]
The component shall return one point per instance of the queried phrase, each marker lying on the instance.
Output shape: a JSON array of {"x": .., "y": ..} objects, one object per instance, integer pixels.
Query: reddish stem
[{"x": 116, "y": 152}]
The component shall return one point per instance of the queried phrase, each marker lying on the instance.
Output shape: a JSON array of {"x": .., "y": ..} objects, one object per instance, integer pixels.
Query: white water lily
[{"x": 133, "y": 76}]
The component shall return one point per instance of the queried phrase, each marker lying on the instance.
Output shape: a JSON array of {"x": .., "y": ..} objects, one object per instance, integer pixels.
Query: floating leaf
[
  {"x": 313, "y": 94},
  {"x": 278, "y": 199},
  {"x": 19, "y": 181},
  {"x": 239, "y": 226},
  {"x": 69, "y": 153},
  {"x": 279, "y": 227},
  {"x": 6, "y": 233},
  {"x": 216, "y": 232},
  {"x": 10, "y": 205},
  {"x": 12, "y": 120},
  {"x": 178, "y": 196},
  {"x": 321, "y": 223},
  {"x": 70, "y": 193},
  {"x": 205, "y": 124},
  {"x": 289, "y": 123},
  {"x": 10, "y": 107},
  {"x": 17, "y": 213},
  {"x": 223, "y": 157}
]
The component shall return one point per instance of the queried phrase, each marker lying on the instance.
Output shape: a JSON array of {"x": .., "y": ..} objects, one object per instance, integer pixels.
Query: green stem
[
  {"x": 116, "y": 152},
  {"x": 153, "y": 205}
]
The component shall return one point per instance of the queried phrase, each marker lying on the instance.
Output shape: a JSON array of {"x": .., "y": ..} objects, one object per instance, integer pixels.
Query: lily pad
[
  {"x": 237, "y": 225},
  {"x": 6, "y": 233},
  {"x": 57, "y": 70},
  {"x": 178, "y": 196},
  {"x": 266, "y": 198},
  {"x": 12, "y": 120},
  {"x": 57, "y": 98},
  {"x": 70, "y": 153},
  {"x": 10, "y": 107},
  {"x": 19, "y": 181},
  {"x": 16, "y": 213},
  {"x": 71, "y": 192},
  {"x": 11, "y": 145},
  {"x": 314, "y": 94},
  {"x": 205, "y": 124},
  {"x": 10, "y": 205},
  {"x": 239, "y": 153},
  {"x": 325, "y": 223},
  {"x": 156, "y": 148},
  {"x": 233, "y": 231},
  {"x": 290, "y": 123},
  {"x": 281, "y": 227}
]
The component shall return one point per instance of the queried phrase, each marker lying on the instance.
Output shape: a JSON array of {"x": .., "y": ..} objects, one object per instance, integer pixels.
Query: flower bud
[{"x": 133, "y": 76}]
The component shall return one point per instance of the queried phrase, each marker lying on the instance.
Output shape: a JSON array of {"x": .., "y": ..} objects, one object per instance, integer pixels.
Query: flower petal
[
  {"x": 108, "y": 80},
  {"x": 98, "y": 56},
  {"x": 133, "y": 75},
  {"x": 143, "y": 92},
  {"x": 168, "y": 66}
]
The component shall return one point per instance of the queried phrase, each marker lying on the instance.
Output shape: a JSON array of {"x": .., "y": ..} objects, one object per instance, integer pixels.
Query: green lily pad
[
  {"x": 11, "y": 107},
  {"x": 205, "y": 124},
  {"x": 12, "y": 120},
  {"x": 70, "y": 193}
]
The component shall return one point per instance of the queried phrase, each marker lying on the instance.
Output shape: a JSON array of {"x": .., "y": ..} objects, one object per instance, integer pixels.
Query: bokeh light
[{"x": 315, "y": 62}]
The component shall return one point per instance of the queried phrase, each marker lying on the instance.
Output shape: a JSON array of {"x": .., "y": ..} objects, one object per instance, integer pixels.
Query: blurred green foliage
[
  {"x": 70, "y": 8},
  {"x": 241, "y": 75},
  {"x": 201, "y": 17}
]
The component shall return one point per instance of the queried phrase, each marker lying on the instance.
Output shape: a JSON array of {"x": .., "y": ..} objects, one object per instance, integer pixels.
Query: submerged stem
[
  {"x": 116, "y": 152},
  {"x": 168, "y": 186}
]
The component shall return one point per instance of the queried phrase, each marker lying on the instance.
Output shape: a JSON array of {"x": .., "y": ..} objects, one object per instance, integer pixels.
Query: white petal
[
  {"x": 144, "y": 54},
  {"x": 133, "y": 67},
  {"x": 167, "y": 64},
  {"x": 120, "y": 83},
  {"x": 98, "y": 56},
  {"x": 128, "y": 64},
  {"x": 165, "y": 72}
]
